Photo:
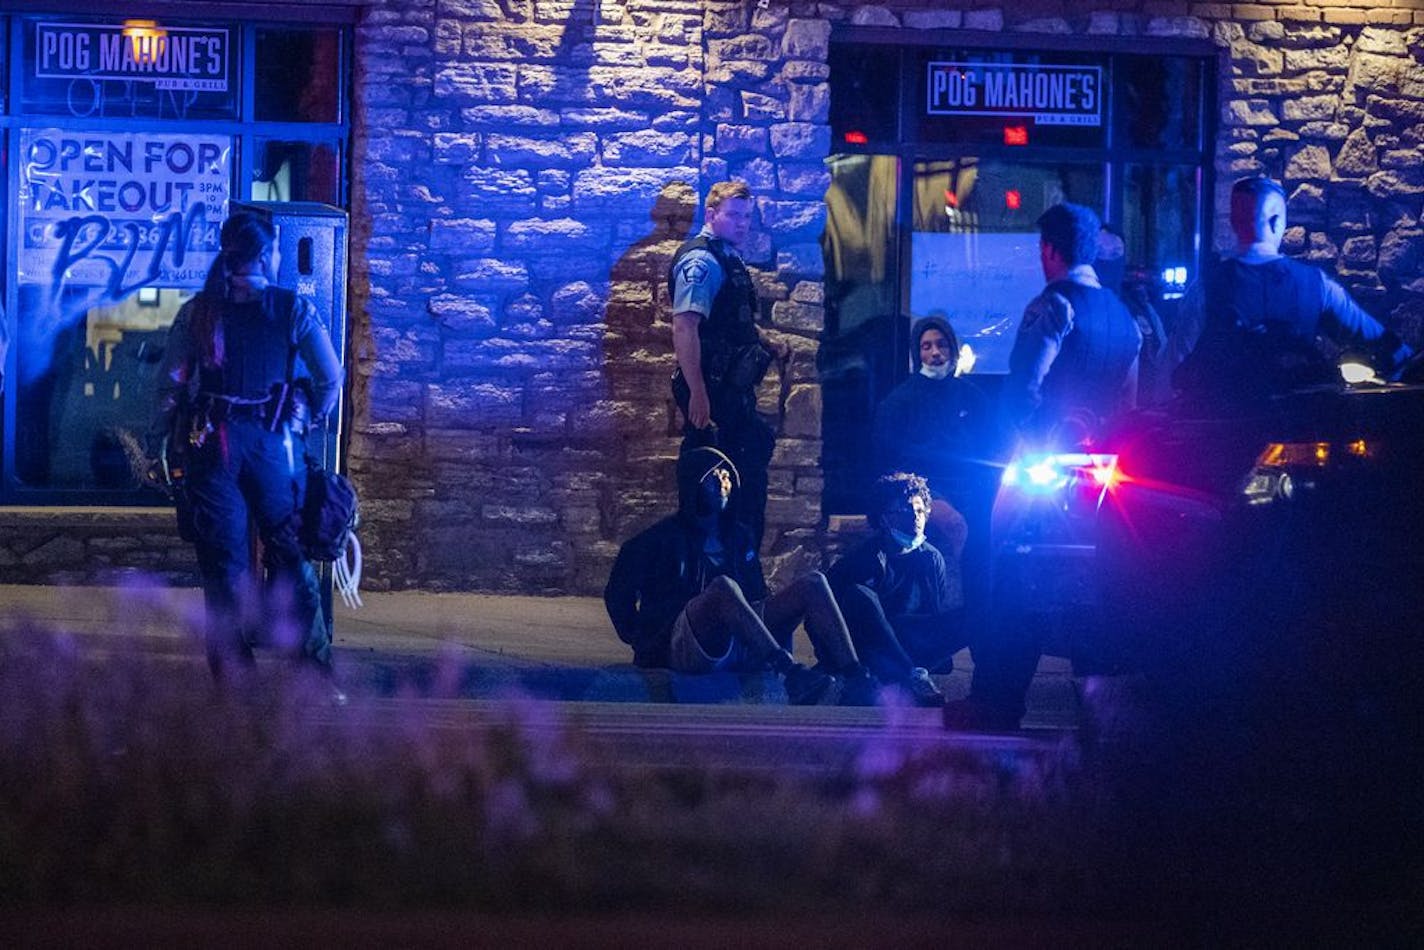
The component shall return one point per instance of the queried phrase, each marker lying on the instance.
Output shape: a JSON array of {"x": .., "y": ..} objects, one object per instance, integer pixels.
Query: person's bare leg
[
  {"x": 809, "y": 597},
  {"x": 721, "y": 613}
]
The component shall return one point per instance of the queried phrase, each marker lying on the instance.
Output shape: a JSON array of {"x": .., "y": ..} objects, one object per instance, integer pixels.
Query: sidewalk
[{"x": 549, "y": 647}]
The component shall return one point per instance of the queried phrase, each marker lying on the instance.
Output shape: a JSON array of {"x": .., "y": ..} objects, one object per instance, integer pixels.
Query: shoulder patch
[{"x": 693, "y": 270}]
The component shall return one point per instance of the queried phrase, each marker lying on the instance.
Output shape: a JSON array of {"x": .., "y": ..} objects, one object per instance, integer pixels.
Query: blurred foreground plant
[{"x": 131, "y": 778}]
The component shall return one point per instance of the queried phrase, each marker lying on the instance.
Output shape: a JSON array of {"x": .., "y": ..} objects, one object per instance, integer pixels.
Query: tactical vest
[
  {"x": 1258, "y": 332},
  {"x": 732, "y": 322},
  {"x": 257, "y": 342},
  {"x": 1280, "y": 298},
  {"x": 1096, "y": 355}
]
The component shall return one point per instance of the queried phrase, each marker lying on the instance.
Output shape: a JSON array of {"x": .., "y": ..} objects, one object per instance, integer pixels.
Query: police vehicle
[{"x": 1278, "y": 539}]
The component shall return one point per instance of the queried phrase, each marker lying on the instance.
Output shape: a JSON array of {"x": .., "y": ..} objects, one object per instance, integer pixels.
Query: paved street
[{"x": 482, "y": 646}]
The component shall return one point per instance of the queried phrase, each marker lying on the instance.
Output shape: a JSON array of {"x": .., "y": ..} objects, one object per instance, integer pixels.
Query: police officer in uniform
[
  {"x": 721, "y": 356},
  {"x": 1074, "y": 360},
  {"x": 1073, "y": 364},
  {"x": 1249, "y": 327},
  {"x": 227, "y": 402}
]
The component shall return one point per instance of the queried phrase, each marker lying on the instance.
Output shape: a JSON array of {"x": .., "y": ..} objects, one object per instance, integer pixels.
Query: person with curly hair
[{"x": 894, "y": 591}]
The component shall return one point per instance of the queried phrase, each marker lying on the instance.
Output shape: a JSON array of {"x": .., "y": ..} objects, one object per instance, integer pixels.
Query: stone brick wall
[
  {"x": 524, "y": 169},
  {"x": 93, "y": 546}
]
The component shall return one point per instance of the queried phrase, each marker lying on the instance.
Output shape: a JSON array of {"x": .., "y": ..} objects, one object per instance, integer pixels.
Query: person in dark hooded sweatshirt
[
  {"x": 688, "y": 594},
  {"x": 942, "y": 427}
]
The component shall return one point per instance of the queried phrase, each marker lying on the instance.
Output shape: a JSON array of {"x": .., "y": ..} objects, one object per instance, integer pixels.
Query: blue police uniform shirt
[{"x": 697, "y": 279}]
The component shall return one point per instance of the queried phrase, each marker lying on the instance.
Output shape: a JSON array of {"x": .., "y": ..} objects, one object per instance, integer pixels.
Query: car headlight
[{"x": 1283, "y": 469}]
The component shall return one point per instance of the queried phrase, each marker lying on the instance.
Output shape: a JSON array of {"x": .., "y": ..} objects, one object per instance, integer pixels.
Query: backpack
[{"x": 329, "y": 514}]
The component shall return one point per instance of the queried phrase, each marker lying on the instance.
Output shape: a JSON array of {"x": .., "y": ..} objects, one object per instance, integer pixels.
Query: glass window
[
  {"x": 984, "y": 140},
  {"x": 115, "y": 222},
  {"x": 296, "y": 171},
  {"x": 865, "y": 106},
  {"x": 117, "y": 227},
  {"x": 1161, "y": 206},
  {"x": 298, "y": 75},
  {"x": 85, "y": 388},
  {"x": 87, "y": 68},
  {"x": 1159, "y": 103},
  {"x": 855, "y": 367},
  {"x": 974, "y": 244}
]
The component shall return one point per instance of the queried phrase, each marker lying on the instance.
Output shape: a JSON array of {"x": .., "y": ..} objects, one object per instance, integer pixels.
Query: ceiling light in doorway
[{"x": 145, "y": 40}]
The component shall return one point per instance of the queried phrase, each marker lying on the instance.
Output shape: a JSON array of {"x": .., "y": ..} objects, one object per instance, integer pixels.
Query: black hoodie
[
  {"x": 943, "y": 429},
  {"x": 661, "y": 568}
]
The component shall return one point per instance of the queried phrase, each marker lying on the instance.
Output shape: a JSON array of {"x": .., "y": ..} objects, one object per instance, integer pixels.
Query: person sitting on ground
[
  {"x": 941, "y": 426},
  {"x": 688, "y": 594},
  {"x": 895, "y": 592}
]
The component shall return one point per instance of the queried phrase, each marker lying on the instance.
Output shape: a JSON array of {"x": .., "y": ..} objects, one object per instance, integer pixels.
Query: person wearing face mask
[
  {"x": 943, "y": 428},
  {"x": 228, "y": 403},
  {"x": 688, "y": 594},
  {"x": 894, "y": 589}
]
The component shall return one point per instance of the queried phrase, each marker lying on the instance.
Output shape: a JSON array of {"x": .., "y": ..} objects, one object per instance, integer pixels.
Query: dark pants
[
  {"x": 748, "y": 441},
  {"x": 891, "y": 647},
  {"x": 1006, "y": 658},
  {"x": 245, "y": 471},
  {"x": 973, "y": 497}
]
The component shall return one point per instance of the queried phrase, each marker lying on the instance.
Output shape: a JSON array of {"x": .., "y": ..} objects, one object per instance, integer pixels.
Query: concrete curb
[{"x": 394, "y": 676}]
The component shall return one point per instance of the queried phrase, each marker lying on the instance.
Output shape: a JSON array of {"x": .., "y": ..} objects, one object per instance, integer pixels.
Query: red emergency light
[
  {"x": 951, "y": 200},
  {"x": 1012, "y": 199},
  {"x": 1015, "y": 135},
  {"x": 856, "y": 137}
]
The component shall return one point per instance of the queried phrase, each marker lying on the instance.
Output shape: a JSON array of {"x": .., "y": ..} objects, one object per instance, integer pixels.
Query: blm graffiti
[
  {"x": 103, "y": 215},
  {"x": 119, "y": 211}
]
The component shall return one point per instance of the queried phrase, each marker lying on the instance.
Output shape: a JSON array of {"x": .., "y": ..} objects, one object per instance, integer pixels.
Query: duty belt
[{"x": 220, "y": 407}]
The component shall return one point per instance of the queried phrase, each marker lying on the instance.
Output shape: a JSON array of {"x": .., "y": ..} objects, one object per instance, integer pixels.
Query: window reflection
[
  {"x": 1160, "y": 102},
  {"x": 298, "y": 75},
  {"x": 974, "y": 248},
  {"x": 85, "y": 388},
  {"x": 297, "y": 171},
  {"x": 188, "y": 70},
  {"x": 856, "y": 368}
]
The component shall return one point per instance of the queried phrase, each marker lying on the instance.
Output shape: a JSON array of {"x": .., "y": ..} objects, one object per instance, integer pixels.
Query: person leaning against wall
[
  {"x": 228, "y": 402},
  {"x": 721, "y": 355}
]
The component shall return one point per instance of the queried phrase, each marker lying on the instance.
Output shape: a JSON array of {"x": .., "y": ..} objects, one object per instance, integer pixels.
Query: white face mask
[
  {"x": 935, "y": 372},
  {"x": 907, "y": 542}
]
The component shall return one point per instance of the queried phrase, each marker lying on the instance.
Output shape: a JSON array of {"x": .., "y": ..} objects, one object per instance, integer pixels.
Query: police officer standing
[
  {"x": 1074, "y": 359},
  {"x": 226, "y": 400},
  {"x": 721, "y": 356},
  {"x": 1073, "y": 364},
  {"x": 1248, "y": 328}
]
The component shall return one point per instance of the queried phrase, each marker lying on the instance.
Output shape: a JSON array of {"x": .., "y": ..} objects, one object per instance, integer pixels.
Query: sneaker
[
  {"x": 805, "y": 686},
  {"x": 922, "y": 689},
  {"x": 859, "y": 688},
  {"x": 967, "y": 715}
]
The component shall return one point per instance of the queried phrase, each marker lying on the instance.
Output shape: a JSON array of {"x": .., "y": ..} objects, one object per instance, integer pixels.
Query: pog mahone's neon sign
[{"x": 193, "y": 58}]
